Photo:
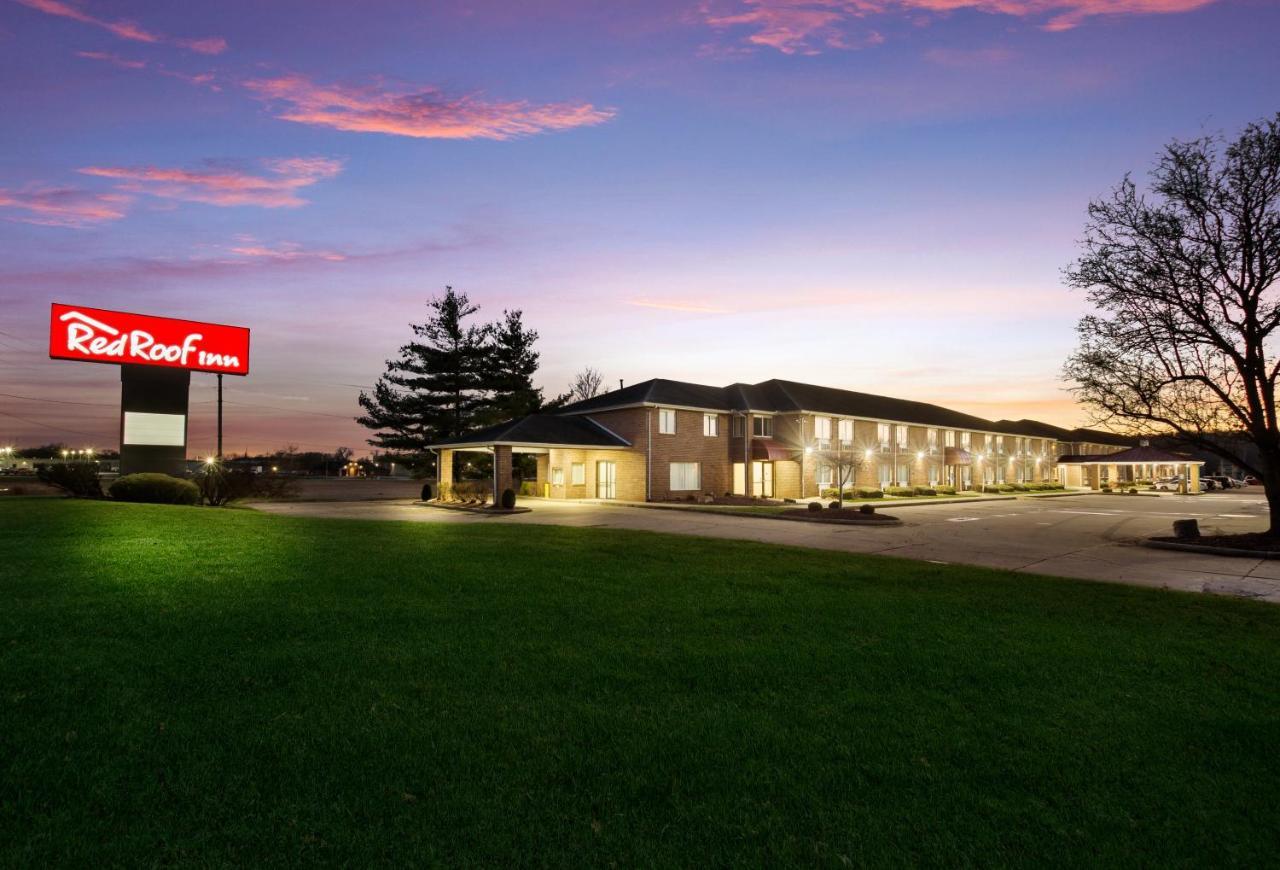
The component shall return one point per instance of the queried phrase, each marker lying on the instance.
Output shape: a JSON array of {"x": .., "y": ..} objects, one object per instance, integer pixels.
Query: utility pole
[{"x": 219, "y": 416}]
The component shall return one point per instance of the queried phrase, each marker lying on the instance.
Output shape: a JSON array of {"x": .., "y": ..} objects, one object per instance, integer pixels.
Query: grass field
[{"x": 186, "y": 685}]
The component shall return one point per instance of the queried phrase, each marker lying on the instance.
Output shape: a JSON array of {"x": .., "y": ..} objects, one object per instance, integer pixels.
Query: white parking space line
[
  {"x": 1093, "y": 513},
  {"x": 963, "y": 519},
  {"x": 1239, "y": 516}
]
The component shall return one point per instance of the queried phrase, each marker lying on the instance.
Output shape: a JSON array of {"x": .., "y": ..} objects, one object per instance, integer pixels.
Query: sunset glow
[{"x": 878, "y": 195}]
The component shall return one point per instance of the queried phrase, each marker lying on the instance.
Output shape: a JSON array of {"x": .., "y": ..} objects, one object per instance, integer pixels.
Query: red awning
[
  {"x": 956, "y": 456},
  {"x": 768, "y": 450}
]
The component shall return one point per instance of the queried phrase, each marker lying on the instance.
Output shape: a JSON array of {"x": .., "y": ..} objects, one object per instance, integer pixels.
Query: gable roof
[
  {"x": 1144, "y": 455},
  {"x": 544, "y": 429},
  {"x": 657, "y": 391}
]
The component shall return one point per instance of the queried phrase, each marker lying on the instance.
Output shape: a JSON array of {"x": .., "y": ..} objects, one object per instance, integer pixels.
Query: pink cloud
[
  {"x": 134, "y": 64},
  {"x": 225, "y": 185},
  {"x": 64, "y": 206},
  {"x": 113, "y": 59},
  {"x": 809, "y": 26},
  {"x": 677, "y": 305},
  {"x": 423, "y": 113},
  {"x": 125, "y": 29},
  {"x": 251, "y": 248}
]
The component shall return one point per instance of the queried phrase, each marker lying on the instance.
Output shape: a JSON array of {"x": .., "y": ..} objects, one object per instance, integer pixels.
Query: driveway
[{"x": 1087, "y": 536}]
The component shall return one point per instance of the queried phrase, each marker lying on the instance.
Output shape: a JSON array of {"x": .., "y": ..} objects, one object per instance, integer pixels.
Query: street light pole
[{"x": 219, "y": 416}]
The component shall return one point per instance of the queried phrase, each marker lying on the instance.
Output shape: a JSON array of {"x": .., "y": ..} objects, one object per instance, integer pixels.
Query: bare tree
[
  {"x": 845, "y": 464},
  {"x": 1184, "y": 280},
  {"x": 585, "y": 384}
]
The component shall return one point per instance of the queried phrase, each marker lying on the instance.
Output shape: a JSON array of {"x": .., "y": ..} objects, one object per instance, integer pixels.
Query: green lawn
[{"x": 186, "y": 685}]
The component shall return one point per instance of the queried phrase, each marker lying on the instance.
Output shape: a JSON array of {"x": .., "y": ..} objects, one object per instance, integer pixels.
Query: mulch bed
[
  {"x": 729, "y": 501},
  {"x": 475, "y": 507},
  {"x": 850, "y": 516}
]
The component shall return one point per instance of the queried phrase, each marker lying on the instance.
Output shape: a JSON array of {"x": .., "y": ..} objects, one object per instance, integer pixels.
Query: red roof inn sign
[
  {"x": 156, "y": 356},
  {"x": 94, "y": 335}
]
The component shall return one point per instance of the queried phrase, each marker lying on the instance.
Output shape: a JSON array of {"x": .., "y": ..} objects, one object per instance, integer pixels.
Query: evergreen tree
[
  {"x": 509, "y": 366},
  {"x": 436, "y": 387}
]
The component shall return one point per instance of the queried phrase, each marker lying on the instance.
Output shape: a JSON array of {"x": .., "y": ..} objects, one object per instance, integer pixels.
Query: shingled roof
[{"x": 545, "y": 429}]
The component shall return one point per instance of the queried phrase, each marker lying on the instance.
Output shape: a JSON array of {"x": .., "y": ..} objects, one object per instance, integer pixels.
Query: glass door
[
  {"x": 762, "y": 479},
  {"x": 606, "y": 480}
]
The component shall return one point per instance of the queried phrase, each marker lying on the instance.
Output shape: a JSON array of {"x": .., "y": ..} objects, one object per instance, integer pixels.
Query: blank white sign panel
[{"x": 155, "y": 430}]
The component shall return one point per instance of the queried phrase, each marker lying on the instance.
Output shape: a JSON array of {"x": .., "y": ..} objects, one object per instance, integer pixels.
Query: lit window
[
  {"x": 1000, "y": 443},
  {"x": 762, "y": 427},
  {"x": 966, "y": 439},
  {"x": 578, "y": 472},
  {"x": 557, "y": 477},
  {"x": 710, "y": 425},
  {"x": 822, "y": 429},
  {"x": 826, "y": 475},
  {"x": 932, "y": 436},
  {"x": 950, "y": 436},
  {"x": 666, "y": 421},
  {"x": 846, "y": 431},
  {"x": 882, "y": 435},
  {"x": 685, "y": 476},
  {"x": 885, "y": 475},
  {"x": 904, "y": 475},
  {"x": 902, "y": 436}
]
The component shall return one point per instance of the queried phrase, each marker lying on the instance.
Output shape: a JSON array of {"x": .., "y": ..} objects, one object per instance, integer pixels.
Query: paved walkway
[{"x": 1089, "y": 536}]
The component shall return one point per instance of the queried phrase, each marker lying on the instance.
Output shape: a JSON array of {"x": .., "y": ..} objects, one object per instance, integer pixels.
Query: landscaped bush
[
  {"x": 946, "y": 490},
  {"x": 428, "y": 491},
  {"x": 78, "y": 479},
  {"x": 835, "y": 506},
  {"x": 528, "y": 488},
  {"x": 867, "y": 508},
  {"x": 829, "y": 493},
  {"x": 508, "y": 499},
  {"x": 219, "y": 485},
  {"x": 155, "y": 489},
  {"x": 467, "y": 490},
  {"x": 990, "y": 488},
  {"x": 925, "y": 490},
  {"x": 1143, "y": 482},
  {"x": 1018, "y": 487},
  {"x": 899, "y": 491},
  {"x": 815, "y": 506},
  {"x": 869, "y": 492}
]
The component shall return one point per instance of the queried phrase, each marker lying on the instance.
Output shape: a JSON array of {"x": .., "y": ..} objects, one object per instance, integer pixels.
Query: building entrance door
[
  {"x": 762, "y": 479},
  {"x": 606, "y": 480}
]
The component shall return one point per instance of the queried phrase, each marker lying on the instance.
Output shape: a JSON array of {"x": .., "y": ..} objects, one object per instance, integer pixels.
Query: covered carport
[
  {"x": 540, "y": 435},
  {"x": 1136, "y": 463}
]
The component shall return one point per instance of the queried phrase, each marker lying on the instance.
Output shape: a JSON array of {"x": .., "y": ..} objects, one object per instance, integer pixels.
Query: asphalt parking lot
[{"x": 1090, "y": 537}]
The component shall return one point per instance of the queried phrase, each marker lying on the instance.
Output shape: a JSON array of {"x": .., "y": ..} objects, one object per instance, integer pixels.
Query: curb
[
  {"x": 483, "y": 511},
  {"x": 1212, "y": 551},
  {"x": 838, "y": 521}
]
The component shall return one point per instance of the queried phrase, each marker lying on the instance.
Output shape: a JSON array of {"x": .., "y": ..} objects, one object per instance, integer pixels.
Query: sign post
[{"x": 156, "y": 356}]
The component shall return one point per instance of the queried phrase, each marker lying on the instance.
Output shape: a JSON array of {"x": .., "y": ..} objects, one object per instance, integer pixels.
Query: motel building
[{"x": 663, "y": 440}]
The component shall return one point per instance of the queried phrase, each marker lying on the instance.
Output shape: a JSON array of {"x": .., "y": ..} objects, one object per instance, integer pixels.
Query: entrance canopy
[
  {"x": 1132, "y": 456},
  {"x": 768, "y": 450}
]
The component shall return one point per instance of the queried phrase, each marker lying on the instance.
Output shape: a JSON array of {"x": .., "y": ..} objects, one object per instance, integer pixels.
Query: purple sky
[{"x": 871, "y": 194}]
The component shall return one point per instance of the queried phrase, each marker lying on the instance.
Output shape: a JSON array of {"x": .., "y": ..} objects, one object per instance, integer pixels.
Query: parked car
[
  {"x": 1209, "y": 484},
  {"x": 1171, "y": 484},
  {"x": 1250, "y": 480},
  {"x": 1221, "y": 481},
  {"x": 1236, "y": 482}
]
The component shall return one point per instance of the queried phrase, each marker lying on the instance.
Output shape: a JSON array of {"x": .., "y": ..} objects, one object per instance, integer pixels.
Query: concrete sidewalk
[{"x": 1088, "y": 537}]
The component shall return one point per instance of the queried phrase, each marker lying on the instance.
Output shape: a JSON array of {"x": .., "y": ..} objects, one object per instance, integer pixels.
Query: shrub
[
  {"x": 815, "y": 506},
  {"x": 219, "y": 485},
  {"x": 835, "y": 506},
  {"x": 1017, "y": 487},
  {"x": 925, "y": 490},
  {"x": 1133, "y": 490},
  {"x": 899, "y": 491},
  {"x": 829, "y": 493},
  {"x": 155, "y": 489},
  {"x": 946, "y": 490},
  {"x": 77, "y": 479},
  {"x": 508, "y": 499},
  {"x": 867, "y": 509},
  {"x": 468, "y": 490},
  {"x": 869, "y": 492},
  {"x": 528, "y": 488},
  {"x": 990, "y": 488},
  {"x": 428, "y": 491}
]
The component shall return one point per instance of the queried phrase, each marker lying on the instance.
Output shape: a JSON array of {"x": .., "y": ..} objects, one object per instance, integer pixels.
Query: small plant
[
  {"x": 866, "y": 509},
  {"x": 814, "y": 507},
  {"x": 869, "y": 492},
  {"x": 1133, "y": 490},
  {"x": 945, "y": 490},
  {"x": 925, "y": 490},
  {"x": 829, "y": 493},
  {"x": 428, "y": 491},
  {"x": 155, "y": 489},
  {"x": 508, "y": 499},
  {"x": 899, "y": 491},
  {"x": 76, "y": 479},
  {"x": 835, "y": 506},
  {"x": 528, "y": 488}
]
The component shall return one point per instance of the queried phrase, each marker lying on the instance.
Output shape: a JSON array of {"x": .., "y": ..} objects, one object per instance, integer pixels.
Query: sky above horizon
[{"x": 878, "y": 195}]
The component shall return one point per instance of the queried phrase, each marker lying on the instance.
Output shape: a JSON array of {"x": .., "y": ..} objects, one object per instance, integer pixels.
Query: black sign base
[{"x": 152, "y": 390}]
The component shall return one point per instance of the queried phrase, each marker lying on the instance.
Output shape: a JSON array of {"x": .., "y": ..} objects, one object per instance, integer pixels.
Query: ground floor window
[
  {"x": 904, "y": 475},
  {"x": 826, "y": 475},
  {"x": 935, "y": 474},
  {"x": 685, "y": 476},
  {"x": 886, "y": 475},
  {"x": 557, "y": 476},
  {"x": 578, "y": 473},
  {"x": 606, "y": 480}
]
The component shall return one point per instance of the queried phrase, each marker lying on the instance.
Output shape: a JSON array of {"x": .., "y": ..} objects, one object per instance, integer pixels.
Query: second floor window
[
  {"x": 950, "y": 436},
  {"x": 882, "y": 435},
  {"x": 966, "y": 440},
  {"x": 999, "y": 443},
  {"x": 666, "y": 421},
  {"x": 739, "y": 426},
  {"x": 710, "y": 425},
  {"x": 933, "y": 439},
  {"x": 845, "y": 433},
  {"x": 822, "y": 428},
  {"x": 902, "y": 436},
  {"x": 762, "y": 427}
]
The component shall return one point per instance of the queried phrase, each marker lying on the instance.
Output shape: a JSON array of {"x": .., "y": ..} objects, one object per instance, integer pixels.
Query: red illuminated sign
[{"x": 94, "y": 335}]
